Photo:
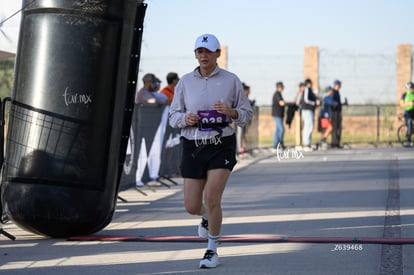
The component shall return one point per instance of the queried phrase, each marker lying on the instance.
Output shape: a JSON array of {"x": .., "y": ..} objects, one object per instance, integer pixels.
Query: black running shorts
[{"x": 199, "y": 156}]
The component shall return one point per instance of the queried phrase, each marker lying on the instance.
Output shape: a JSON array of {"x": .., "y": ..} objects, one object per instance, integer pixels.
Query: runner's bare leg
[
  {"x": 193, "y": 196},
  {"x": 213, "y": 192}
]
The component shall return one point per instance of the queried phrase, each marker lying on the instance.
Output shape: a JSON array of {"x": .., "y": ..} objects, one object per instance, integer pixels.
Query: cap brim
[{"x": 210, "y": 49}]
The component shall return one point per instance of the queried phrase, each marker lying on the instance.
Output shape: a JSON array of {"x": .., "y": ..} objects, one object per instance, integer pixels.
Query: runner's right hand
[{"x": 191, "y": 119}]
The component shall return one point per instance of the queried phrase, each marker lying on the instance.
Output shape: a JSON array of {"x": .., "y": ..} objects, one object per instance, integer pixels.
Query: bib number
[{"x": 210, "y": 116}]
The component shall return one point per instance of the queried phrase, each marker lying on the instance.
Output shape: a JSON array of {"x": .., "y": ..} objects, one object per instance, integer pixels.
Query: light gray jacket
[{"x": 195, "y": 92}]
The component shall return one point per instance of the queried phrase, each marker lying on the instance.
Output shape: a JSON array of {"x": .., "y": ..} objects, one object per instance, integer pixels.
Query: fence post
[
  {"x": 378, "y": 125},
  {"x": 298, "y": 128}
]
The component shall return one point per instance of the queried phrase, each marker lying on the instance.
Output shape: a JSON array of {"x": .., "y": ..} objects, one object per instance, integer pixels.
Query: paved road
[{"x": 357, "y": 193}]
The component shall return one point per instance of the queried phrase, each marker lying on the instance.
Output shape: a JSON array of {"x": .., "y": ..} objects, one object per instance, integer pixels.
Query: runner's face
[{"x": 206, "y": 58}]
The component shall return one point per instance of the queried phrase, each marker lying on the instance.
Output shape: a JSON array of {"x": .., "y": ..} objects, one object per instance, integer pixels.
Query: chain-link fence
[
  {"x": 366, "y": 78},
  {"x": 362, "y": 124}
]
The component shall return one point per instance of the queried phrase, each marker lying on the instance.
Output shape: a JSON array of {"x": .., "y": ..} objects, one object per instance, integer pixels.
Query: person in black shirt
[
  {"x": 336, "y": 115},
  {"x": 278, "y": 111}
]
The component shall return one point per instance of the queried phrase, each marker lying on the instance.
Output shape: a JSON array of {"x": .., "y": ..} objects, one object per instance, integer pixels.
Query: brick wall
[
  {"x": 311, "y": 65},
  {"x": 222, "y": 60},
  {"x": 404, "y": 70}
]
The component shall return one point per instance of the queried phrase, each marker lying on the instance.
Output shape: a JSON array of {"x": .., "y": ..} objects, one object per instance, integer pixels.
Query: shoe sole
[{"x": 206, "y": 266}]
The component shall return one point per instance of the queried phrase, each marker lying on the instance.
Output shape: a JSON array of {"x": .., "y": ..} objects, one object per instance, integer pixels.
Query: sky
[
  {"x": 266, "y": 41},
  {"x": 278, "y": 26}
]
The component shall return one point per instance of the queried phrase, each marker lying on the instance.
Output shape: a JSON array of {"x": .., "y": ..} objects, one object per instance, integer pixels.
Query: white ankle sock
[{"x": 212, "y": 242}]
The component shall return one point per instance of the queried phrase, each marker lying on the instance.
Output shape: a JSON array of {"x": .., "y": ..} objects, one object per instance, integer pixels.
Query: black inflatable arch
[{"x": 70, "y": 113}]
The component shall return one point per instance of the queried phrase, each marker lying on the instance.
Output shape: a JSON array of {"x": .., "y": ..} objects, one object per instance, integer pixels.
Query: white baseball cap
[{"x": 207, "y": 41}]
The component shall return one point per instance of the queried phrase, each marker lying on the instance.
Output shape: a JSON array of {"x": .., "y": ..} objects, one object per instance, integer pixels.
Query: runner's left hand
[{"x": 223, "y": 108}]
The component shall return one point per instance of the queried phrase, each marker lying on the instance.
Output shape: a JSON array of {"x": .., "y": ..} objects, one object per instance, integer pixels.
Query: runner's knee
[
  {"x": 212, "y": 200},
  {"x": 193, "y": 207}
]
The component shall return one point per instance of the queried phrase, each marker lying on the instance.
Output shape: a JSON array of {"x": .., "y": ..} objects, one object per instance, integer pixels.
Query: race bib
[{"x": 210, "y": 116}]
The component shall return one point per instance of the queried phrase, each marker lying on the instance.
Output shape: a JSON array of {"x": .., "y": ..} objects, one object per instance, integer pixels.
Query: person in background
[
  {"x": 157, "y": 84},
  {"x": 326, "y": 116},
  {"x": 309, "y": 101},
  {"x": 148, "y": 93},
  {"x": 243, "y": 146},
  {"x": 278, "y": 112},
  {"x": 298, "y": 123},
  {"x": 299, "y": 94},
  {"x": 336, "y": 115},
  {"x": 246, "y": 90},
  {"x": 293, "y": 107},
  {"x": 168, "y": 91},
  {"x": 407, "y": 102}
]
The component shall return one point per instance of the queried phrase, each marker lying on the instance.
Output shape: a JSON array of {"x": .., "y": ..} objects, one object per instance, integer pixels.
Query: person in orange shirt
[{"x": 172, "y": 80}]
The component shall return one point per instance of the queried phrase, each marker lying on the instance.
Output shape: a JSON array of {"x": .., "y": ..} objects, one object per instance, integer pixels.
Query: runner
[
  {"x": 407, "y": 102},
  {"x": 206, "y": 100}
]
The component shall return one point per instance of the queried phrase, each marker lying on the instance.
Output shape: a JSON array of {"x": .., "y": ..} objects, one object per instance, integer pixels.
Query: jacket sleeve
[
  {"x": 306, "y": 98},
  {"x": 177, "y": 111},
  {"x": 242, "y": 106},
  {"x": 299, "y": 99}
]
